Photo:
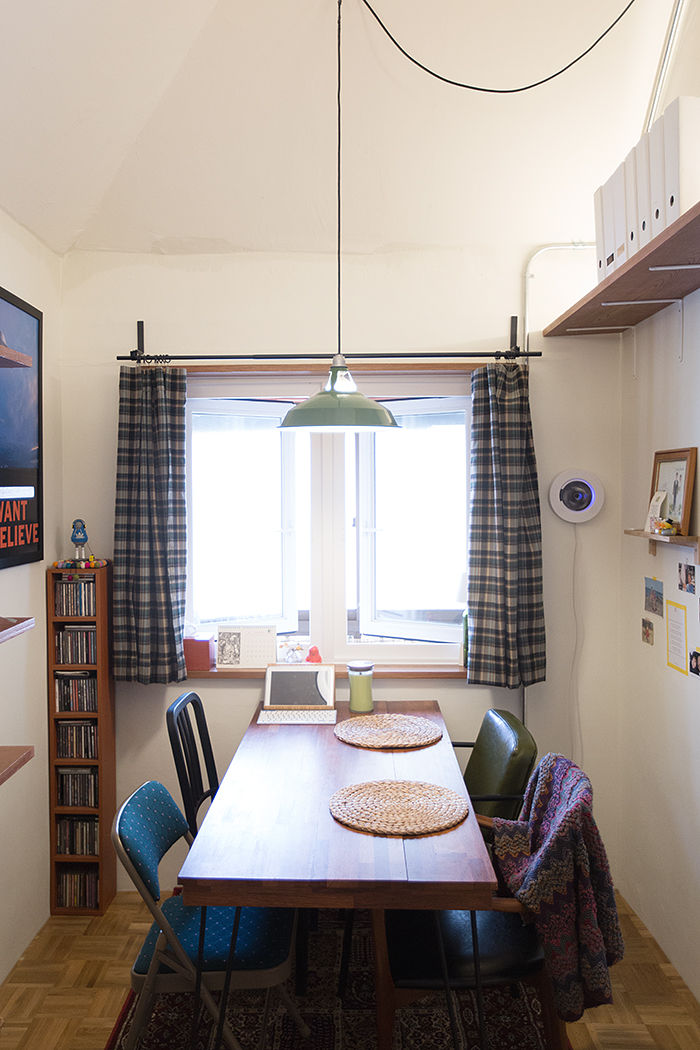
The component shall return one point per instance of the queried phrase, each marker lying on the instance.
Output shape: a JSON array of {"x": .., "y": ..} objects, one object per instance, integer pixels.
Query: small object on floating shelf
[
  {"x": 314, "y": 657},
  {"x": 81, "y": 563},
  {"x": 79, "y": 537},
  {"x": 664, "y": 527}
]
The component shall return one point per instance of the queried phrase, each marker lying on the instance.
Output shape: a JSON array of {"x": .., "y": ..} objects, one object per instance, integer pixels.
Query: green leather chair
[{"x": 499, "y": 767}]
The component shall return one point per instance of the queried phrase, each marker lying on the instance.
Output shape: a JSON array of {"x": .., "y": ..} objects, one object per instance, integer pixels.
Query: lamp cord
[
  {"x": 338, "y": 191},
  {"x": 493, "y": 91}
]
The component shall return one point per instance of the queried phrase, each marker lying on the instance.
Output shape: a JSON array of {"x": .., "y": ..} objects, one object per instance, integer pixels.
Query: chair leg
[
  {"x": 345, "y": 955},
  {"x": 227, "y": 1033},
  {"x": 293, "y": 1011},
  {"x": 265, "y": 1018},
  {"x": 142, "y": 1013},
  {"x": 454, "y": 1028},
  {"x": 555, "y": 1036},
  {"x": 144, "y": 1003}
]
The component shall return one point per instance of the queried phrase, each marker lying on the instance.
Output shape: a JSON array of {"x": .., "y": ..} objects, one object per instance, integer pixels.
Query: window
[{"x": 354, "y": 543}]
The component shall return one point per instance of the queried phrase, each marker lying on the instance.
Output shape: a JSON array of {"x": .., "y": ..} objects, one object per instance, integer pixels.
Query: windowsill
[{"x": 380, "y": 671}]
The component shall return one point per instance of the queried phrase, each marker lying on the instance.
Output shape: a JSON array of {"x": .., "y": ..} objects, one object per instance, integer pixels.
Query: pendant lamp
[{"x": 339, "y": 406}]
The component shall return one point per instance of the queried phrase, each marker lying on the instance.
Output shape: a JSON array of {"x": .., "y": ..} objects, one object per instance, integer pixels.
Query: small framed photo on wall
[{"x": 674, "y": 474}]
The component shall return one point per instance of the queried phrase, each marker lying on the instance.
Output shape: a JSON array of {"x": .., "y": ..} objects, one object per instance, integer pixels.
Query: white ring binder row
[{"x": 656, "y": 183}]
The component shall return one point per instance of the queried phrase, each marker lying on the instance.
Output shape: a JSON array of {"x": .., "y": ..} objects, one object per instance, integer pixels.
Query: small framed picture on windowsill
[
  {"x": 674, "y": 474},
  {"x": 245, "y": 646}
]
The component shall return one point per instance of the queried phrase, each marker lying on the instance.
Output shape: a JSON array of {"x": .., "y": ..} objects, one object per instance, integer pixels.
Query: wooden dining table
[{"x": 269, "y": 838}]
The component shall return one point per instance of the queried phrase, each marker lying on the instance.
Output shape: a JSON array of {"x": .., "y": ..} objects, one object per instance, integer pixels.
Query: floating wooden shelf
[
  {"x": 638, "y": 289},
  {"x": 12, "y": 758},
  {"x": 11, "y": 626},
  {"x": 692, "y": 542}
]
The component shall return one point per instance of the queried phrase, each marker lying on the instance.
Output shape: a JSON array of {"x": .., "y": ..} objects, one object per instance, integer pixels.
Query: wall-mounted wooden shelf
[
  {"x": 692, "y": 542},
  {"x": 637, "y": 290},
  {"x": 11, "y": 626}
]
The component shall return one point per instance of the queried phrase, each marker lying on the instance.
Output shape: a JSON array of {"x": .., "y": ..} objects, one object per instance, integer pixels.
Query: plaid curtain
[
  {"x": 150, "y": 527},
  {"x": 505, "y": 606}
]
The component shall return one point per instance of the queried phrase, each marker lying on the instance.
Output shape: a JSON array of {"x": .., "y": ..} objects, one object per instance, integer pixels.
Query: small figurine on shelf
[
  {"x": 79, "y": 537},
  {"x": 314, "y": 657}
]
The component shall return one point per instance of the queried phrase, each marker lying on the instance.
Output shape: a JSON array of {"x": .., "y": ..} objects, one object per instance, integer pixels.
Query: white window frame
[
  {"x": 328, "y": 630},
  {"x": 238, "y": 406},
  {"x": 367, "y": 533}
]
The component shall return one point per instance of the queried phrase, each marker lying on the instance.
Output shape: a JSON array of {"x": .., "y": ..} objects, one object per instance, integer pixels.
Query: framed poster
[{"x": 21, "y": 482}]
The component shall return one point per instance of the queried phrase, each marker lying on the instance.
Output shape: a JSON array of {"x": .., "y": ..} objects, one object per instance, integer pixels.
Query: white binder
[
  {"x": 657, "y": 175},
  {"x": 599, "y": 233},
  {"x": 681, "y": 121},
  {"x": 619, "y": 215},
  {"x": 631, "y": 203},
  {"x": 608, "y": 227},
  {"x": 641, "y": 157}
]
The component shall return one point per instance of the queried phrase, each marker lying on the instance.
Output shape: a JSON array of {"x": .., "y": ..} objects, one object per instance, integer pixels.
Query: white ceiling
[{"x": 180, "y": 127}]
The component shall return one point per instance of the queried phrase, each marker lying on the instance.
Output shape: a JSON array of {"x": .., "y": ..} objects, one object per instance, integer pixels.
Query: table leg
[
  {"x": 227, "y": 979},
  {"x": 301, "y": 951},
  {"x": 383, "y": 984}
]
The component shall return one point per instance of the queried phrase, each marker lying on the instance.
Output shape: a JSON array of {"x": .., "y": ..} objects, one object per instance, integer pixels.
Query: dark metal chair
[{"x": 192, "y": 753}]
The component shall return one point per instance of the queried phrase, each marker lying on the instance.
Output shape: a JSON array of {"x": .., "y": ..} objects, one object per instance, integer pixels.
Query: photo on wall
[
  {"x": 21, "y": 482},
  {"x": 653, "y": 596},
  {"x": 686, "y": 577}
]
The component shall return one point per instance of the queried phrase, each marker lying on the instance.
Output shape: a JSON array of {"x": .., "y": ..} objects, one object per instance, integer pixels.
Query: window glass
[
  {"x": 355, "y": 543},
  {"x": 413, "y": 522}
]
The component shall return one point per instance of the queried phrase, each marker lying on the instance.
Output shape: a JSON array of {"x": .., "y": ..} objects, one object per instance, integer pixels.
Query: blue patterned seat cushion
[{"x": 264, "y": 936}]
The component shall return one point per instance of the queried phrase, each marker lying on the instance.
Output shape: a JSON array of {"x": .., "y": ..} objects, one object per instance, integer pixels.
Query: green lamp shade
[{"x": 339, "y": 406}]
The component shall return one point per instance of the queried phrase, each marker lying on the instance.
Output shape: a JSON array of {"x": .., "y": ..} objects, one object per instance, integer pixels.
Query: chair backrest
[
  {"x": 144, "y": 829},
  {"x": 501, "y": 762},
  {"x": 188, "y": 754}
]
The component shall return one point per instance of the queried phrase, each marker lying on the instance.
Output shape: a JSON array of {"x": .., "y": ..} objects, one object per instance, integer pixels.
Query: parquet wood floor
[{"x": 67, "y": 989}]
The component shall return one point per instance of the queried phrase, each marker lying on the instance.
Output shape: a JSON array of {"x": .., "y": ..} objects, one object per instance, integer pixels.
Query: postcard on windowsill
[{"x": 238, "y": 645}]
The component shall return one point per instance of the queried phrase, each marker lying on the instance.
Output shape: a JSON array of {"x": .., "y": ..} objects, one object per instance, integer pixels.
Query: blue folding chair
[{"x": 148, "y": 824}]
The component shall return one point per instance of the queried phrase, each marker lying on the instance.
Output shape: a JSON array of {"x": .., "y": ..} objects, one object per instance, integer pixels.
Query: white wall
[
  {"x": 33, "y": 273},
  {"x": 430, "y": 300},
  {"x": 659, "y": 708}
]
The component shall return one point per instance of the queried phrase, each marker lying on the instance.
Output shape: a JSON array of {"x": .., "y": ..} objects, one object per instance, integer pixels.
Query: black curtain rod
[{"x": 139, "y": 356}]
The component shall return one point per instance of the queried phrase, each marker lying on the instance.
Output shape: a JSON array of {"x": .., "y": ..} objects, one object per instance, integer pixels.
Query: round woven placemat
[
  {"x": 388, "y": 731},
  {"x": 398, "y": 807}
]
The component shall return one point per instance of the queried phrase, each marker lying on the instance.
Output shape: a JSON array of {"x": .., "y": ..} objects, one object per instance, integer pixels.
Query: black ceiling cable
[{"x": 488, "y": 90}]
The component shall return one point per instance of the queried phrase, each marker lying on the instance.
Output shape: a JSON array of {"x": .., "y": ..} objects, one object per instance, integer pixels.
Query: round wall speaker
[{"x": 576, "y": 495}]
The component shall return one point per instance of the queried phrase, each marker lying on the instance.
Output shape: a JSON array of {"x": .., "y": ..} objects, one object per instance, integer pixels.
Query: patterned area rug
[{"x": 513, "y": 1014}]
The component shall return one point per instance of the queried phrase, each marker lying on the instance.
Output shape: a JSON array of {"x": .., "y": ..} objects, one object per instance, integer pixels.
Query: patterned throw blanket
[{"x": 553, "y": 861}]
